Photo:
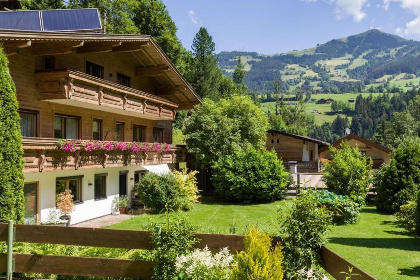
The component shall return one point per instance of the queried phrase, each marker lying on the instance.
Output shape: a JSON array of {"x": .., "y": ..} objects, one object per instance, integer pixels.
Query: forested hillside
[{"x": 340, "y": 65}]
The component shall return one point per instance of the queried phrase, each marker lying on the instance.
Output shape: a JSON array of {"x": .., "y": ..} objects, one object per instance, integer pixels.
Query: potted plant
[
  {"x": 123, "y": 203},
  {"x": 115, "y": 206},
  {"x": 66, "y": 205}
]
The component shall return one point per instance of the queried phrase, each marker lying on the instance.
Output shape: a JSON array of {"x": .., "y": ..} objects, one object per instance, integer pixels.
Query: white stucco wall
[{"x": 89, "y": 208}]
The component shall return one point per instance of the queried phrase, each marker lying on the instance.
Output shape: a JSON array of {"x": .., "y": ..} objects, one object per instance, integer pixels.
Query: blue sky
[{"x": 276, "y": 26}]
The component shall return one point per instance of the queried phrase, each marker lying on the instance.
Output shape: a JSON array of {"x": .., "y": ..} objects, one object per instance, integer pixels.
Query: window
[
  {"x": 30, "y": 191},
  {"x": 28, "y": 123},
  {"x": 123, "y": 80},
  {"x": 66, "y": 127},
  {"x": 97, "y": 129},
  {"x": 100, "y": 185},
  {"x": 158, "y": 135},
  {"x": 120, "y": 131},
  {"x": 94, "y": 69},
  {"x": 74, "y": 184},
  {"x": 138, "y": 133},
  {"x": 138, "y": 175},
  {"x": 49, "y": 63}
]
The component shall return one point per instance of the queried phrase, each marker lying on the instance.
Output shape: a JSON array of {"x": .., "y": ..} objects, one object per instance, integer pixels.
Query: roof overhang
[
  {"x": 352, "y": 136},
  {"x": 304, "y": 138},
  {"x": 153, "y": 62}
]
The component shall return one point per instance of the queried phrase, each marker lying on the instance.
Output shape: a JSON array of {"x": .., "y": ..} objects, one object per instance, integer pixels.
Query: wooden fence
[{"x": 128, "y": 239}]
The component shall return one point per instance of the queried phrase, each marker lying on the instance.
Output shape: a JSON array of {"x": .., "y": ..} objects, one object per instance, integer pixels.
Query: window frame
[
  {"x": 36, "y": 125},
  {"x": 100, "y": 122},
  {"x": 104, "y": 185},
  {"x": 77, "y": 198},
  {"x": 160, "y": 130},
  {"x": 123, "y": 131},
  {"x": 90, "y": 69},
  {"x": 64, "y": 125},
  {"x": 143, "y": 133},
  {"x": 120, "y": 79},
  {"x": 37, "y": 198}
]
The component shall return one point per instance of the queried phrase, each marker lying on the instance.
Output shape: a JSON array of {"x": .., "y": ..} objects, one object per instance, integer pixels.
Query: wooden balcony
[
  {"x": 45, "y": 155},
  {"x": 82, "y": 90}
]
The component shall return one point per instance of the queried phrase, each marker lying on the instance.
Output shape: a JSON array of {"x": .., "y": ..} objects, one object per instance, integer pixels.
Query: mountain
[{"x": 342, "y": 64}]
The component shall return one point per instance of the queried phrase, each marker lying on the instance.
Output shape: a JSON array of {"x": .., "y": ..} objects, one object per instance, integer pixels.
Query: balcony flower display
[{"x": 73, "y": 146}]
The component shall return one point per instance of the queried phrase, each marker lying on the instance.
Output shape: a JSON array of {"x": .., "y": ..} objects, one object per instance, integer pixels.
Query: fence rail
[{"x": 127, "y": 239}]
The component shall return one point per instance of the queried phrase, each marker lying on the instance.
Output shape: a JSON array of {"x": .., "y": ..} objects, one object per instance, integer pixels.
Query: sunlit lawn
[
  {"x": 375, "y": 243},
  {"x": 212, "y": 217},
  {"x": 379, "y": 246}
]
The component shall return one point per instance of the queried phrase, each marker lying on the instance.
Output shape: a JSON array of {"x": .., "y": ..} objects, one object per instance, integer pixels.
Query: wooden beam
[
  {"x": 53, "y": 48},
  {"x": 98, "y": 47},
  {"x": 130, "y": 46},
  {"x": 17, "y": 44},
  {"x": 151, "y": 70}
]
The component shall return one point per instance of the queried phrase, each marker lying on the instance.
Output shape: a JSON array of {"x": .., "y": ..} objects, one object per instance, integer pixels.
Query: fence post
[{"x": 10, "y": 239}]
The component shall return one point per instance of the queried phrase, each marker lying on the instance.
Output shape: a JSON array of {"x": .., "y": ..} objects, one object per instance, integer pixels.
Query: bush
[
  {"x": 11, "y": 162},
  {"x": 303, "y": 231},
  {"x": 398, "y": 183},
  {"x": 256, "y": 175},
  {"x": 202, "y": 265},
  {"x": 407, "y": 216},
  {"x": 173, "y": 239},
  {"x": 349, "y": 172},
  {"x": 259, "y": 260},
  {"x": 343, "y": 209},
  {"x": 168, "y": 191}
]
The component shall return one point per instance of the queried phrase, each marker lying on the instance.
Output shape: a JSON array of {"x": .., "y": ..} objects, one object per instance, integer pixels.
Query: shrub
[
  {"x": 170, "y": 240},
  {"x": 256, "y": 175},
  {"x": 349, "y": 172},
  {"x": 303, "y": 231},
  {"x": 65, "y": 202},
  {"x": 407, "y": 216},
  {"x": 202, "y": 265},
  {"x": 187, "y": 184},
  {"x": 343, "y": 209},
  {"x": 11, "y": 163},
  {"x": 168, "y": 191},
  {"x": 398, "y": 182},
  {"x": 259, "y": 260}
]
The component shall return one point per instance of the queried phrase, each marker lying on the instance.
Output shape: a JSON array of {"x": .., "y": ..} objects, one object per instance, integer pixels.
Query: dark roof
[
  {"x": 319, "y": 142},
  {"x": 360, "y": 139},
  {"x": 10, "y": 5}
]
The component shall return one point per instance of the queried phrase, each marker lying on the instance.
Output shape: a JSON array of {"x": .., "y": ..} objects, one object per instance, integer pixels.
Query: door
[
  {"x": 123, "y": 183},
  {"x": 30, "y": 191}
]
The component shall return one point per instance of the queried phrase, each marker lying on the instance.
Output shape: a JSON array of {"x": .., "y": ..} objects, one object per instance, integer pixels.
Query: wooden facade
[
  {"x": 91, "y": 86},
  {"x": 296, "y": 148},
  {"x": 378, "y": 153}
]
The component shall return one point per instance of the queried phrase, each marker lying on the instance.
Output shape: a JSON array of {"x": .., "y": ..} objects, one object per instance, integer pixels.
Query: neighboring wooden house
[
  {"x": 92, "y": 86},
  {"x": 378, "y": 153},
  {"x": 292, "y": 147}
]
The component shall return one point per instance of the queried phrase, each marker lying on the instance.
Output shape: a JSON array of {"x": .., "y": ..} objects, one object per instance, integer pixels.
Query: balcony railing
[
  {"x": 46, "y": 155},
  {"x": 63, "y": 85}
]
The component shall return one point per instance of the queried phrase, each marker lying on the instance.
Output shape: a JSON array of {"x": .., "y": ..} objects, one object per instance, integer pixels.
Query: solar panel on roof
[
  {"x": 52, "y": 20},
  {"x": 68, "y": 20},
  {"x": 21, "y": 20}
]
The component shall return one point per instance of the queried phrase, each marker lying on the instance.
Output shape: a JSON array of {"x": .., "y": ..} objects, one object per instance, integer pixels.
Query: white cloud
[
  {"x": 344, "y": 8},
  {"x": 353, "y": 8},
  {"x": 412, "y": 27},
  {"x": 193, "y": 17}
]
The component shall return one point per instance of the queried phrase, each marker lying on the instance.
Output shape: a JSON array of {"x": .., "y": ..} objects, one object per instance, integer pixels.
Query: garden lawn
[
  {"x": 378, "y": 245},
  {"x": 212, "y": 217}
]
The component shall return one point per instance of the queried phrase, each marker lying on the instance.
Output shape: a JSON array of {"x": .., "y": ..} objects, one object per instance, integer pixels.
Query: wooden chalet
[
  {"x": 379, "y": 154},
  {"x": 99, "y": 87},
  {"x": 300, "y": 149}
]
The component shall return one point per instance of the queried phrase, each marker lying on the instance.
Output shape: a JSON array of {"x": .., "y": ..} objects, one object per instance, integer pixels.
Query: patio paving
[{"x": 104, "y": 221}]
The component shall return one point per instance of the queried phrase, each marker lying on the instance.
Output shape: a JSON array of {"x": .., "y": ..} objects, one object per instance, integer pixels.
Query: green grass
[
  {"x": 377, "y": 245},
  {"x": 218, "y": 217}
]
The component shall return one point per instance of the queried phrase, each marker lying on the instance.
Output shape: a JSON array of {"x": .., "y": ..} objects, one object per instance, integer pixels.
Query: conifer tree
[
  {"x": 11, "y": 163},
  {"x": 206, "y": 75}
]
